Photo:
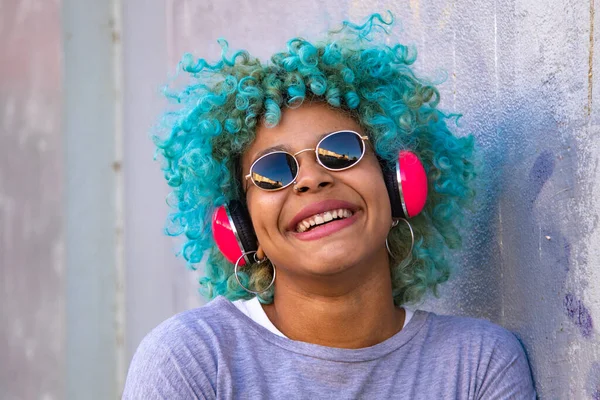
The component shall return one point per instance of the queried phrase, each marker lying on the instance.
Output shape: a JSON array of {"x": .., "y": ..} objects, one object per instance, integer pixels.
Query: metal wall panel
[
  {"x": 32, "y": 273},
  {"x": 158, "y": 285},
  {"x": 93, "y": 130}
]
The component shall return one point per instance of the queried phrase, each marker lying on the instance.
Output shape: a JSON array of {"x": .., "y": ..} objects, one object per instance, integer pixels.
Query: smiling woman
[{"x": 293, "y": 176}]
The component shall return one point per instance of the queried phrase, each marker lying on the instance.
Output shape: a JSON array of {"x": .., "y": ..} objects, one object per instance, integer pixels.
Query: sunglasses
[{"x": 335, "y": 152}]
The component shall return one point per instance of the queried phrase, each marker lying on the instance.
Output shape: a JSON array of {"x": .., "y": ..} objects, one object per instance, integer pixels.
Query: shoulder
[
  {"x": 475, "y": 336},
  {"x": 471, "y": 330},
  {"x": 177, "y": 359},
  {"x": 198, "y": 327},
  {"x": 210, "y": 318},
  {"x": 492, "y": 353}
]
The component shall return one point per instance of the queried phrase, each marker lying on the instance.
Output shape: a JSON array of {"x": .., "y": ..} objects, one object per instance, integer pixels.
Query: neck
[{"x": 340, "y": 313}]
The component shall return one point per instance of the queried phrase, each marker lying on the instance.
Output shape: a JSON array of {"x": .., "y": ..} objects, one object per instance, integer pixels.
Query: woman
[{"x": 308, "y": 304}]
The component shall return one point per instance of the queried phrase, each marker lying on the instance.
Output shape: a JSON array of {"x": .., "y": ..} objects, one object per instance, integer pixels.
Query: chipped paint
[{"x": 579, "y": 314}]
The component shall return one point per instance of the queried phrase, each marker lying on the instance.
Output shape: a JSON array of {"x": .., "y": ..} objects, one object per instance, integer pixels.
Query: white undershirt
[{"x": 253, "y": 310}]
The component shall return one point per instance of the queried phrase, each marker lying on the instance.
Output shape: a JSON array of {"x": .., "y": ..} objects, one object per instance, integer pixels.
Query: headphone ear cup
[
  {"x": 233, "y": 232},
  {"x": 243, "y": 224},
  {"x": 391, "y": 183},
  {"x": 407, "y": 185}
]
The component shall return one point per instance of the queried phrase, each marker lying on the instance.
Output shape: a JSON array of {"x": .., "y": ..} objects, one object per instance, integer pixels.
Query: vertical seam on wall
[
  {"x": 454, "y": 83},
  {"x": 117, "y": 53},
  {"x": 591, "y": 61},
  {"x": 496, "y": 122}
]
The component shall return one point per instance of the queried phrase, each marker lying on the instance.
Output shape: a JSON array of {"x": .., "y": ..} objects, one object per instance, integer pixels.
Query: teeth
[{"x": 319, "y": 219}]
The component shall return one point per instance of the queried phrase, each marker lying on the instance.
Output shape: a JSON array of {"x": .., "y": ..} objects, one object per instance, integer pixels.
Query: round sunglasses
[{"x": 336, "y": 152}]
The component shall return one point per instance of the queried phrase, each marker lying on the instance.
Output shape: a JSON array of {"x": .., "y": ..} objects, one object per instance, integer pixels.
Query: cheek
[
  {"x": 376, "y": 193},
  {"x": 383, "y": 201},
  {"x": 264, "y": 209}
]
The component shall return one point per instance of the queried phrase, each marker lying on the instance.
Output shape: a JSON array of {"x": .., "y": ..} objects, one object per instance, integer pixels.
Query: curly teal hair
[{"x": 217, "y": 113}]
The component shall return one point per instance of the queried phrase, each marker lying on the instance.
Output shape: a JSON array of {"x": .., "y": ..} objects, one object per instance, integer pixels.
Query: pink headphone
[{"x": 407, "y": 188}]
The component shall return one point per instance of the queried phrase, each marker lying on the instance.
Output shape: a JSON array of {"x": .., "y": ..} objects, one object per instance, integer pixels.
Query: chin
[
  {"x": 329, "y": 269},
  {"x": 334, "y": 261}
]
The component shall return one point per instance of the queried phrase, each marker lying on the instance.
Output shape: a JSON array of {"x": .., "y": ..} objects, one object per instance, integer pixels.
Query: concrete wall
[{"x": 521, "y": 71}]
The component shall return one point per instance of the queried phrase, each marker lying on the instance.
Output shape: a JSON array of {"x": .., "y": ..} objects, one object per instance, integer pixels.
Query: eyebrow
[
  {"x": 271, "y": 149},
  {"x": 285, "y": 148}
]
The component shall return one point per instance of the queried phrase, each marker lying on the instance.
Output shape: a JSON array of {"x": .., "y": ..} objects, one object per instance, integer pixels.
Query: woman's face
[{"x": 337, "y": 245}]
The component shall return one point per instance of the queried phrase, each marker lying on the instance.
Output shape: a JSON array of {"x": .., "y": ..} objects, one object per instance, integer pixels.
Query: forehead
[{"x": 300, "y": 128}]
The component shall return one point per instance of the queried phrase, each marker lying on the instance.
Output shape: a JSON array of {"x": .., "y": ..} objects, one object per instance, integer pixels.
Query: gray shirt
[{"x": 217, "y": 352}]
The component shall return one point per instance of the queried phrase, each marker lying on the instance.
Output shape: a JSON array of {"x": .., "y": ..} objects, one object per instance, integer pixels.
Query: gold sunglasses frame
[{"x": 364, "y": 138}]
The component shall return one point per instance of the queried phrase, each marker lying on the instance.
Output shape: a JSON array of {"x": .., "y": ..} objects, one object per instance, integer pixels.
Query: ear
[
  {"x": 260, "y": 253},
  {"x": 233, "y": 232}
]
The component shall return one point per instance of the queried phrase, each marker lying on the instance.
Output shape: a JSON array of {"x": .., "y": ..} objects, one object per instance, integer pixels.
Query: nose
[{"x": 311, "y": 175}]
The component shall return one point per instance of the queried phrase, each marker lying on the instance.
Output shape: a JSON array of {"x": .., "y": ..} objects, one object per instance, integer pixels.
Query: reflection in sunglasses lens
[
  {"x": 340, "y": 150},
  {"x": 274, "y": 171}
]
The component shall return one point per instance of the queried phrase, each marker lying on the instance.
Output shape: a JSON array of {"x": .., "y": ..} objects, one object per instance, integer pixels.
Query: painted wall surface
[
  {"x": 157, "y": 283},
  {"x": 92, "y": 135},
  {"x": 32, "y": 268},
  {"x": 521, "y": 71}
]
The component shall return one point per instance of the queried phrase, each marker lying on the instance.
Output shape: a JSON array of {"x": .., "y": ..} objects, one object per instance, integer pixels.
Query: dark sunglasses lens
[
  {"x": 274, "y": 171},
  {"x": 340, "y": 150}
]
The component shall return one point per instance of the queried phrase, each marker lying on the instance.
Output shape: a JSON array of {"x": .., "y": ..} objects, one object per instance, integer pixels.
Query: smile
[{"x": 322, "y": 218}]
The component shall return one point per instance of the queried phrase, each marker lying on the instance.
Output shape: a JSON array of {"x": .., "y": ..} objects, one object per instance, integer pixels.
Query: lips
[{"x": 319, "y": 208}]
